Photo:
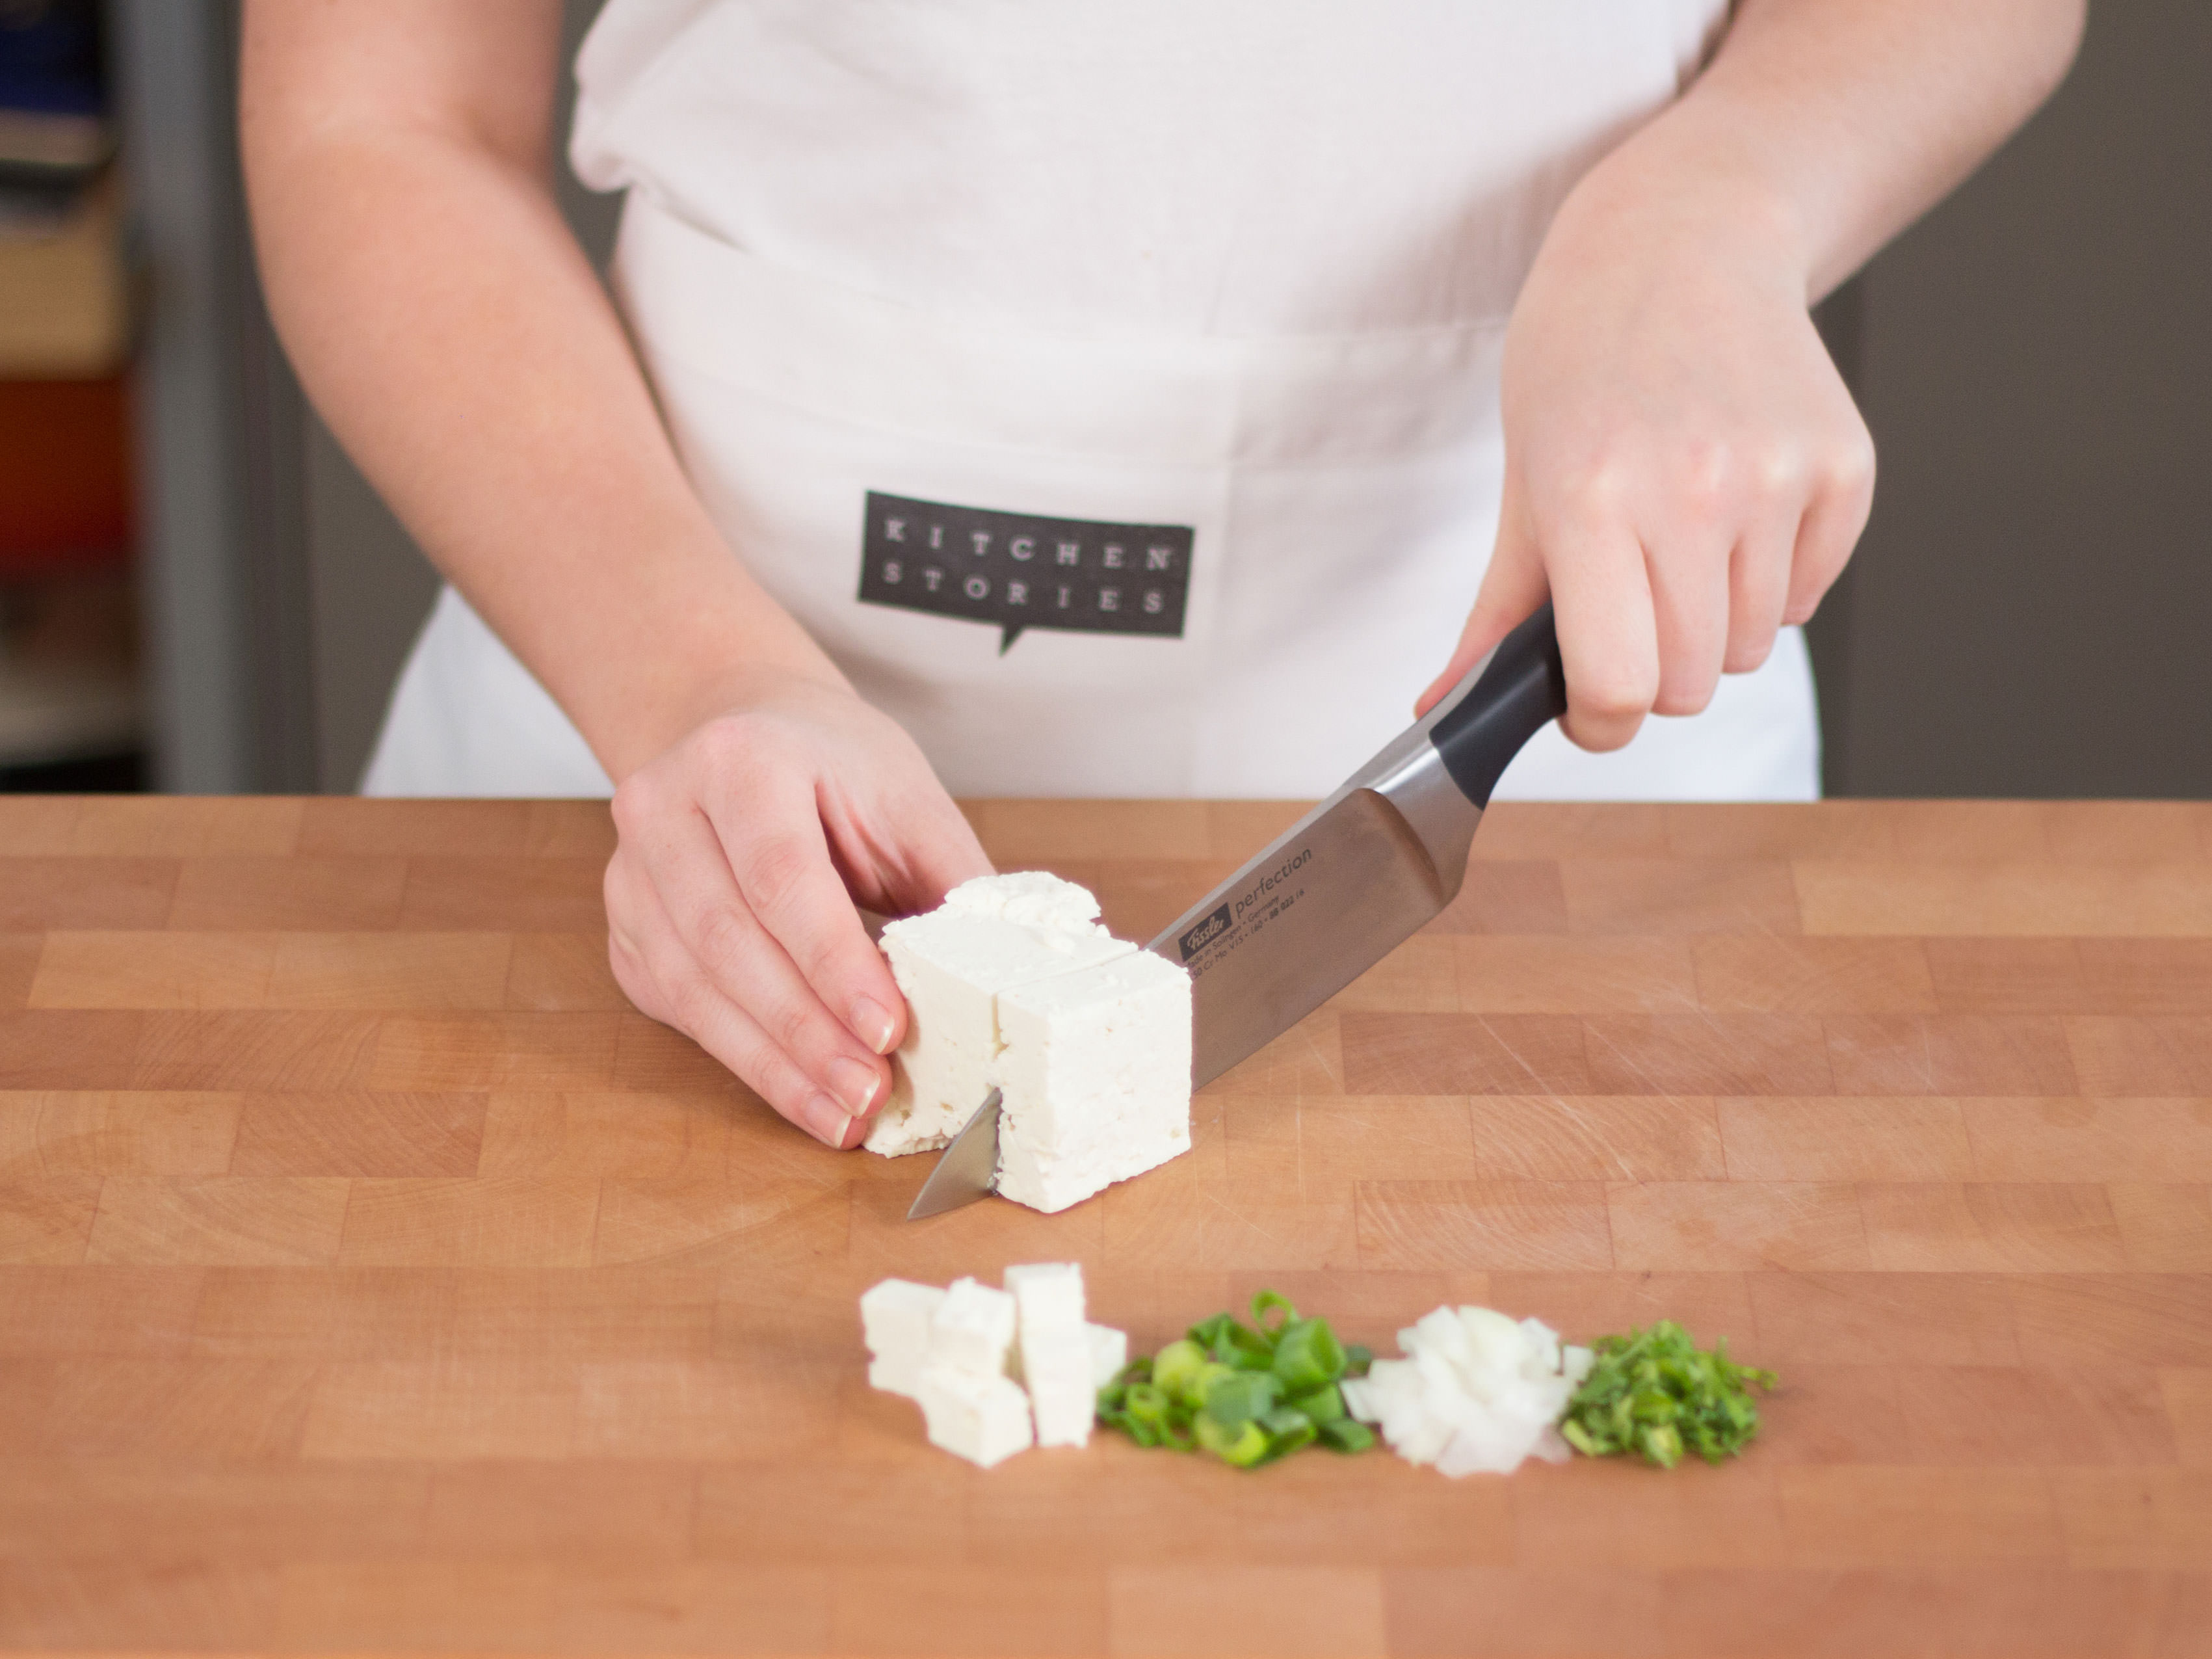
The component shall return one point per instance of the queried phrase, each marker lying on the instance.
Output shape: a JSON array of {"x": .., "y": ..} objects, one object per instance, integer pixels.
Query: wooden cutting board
[{"x": 375, "y": 1280}]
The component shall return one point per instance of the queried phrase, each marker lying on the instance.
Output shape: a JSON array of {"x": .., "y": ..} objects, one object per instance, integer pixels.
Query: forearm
[
  {"x": 451, "y": 332},
  {"x": 1824, "y": 127}
]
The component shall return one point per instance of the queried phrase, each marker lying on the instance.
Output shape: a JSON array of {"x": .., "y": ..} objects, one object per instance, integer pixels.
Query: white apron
[{"x": 1094, "y": 494}]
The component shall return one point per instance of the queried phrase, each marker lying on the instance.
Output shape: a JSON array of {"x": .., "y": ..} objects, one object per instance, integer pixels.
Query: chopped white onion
[{"x": 1477, "y": 1391}]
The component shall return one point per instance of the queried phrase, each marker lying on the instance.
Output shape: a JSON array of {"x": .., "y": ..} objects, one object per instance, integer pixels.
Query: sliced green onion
[
  {"x": 1653, "y": 1393},
  {"x": 1347, "y": 1434},
  {"x": 1267, "y": 1302},
  {"x": 1242, "y": 1394},
  {"x": 1287, "y": 1429},
  {"x": 1249, "y": 1396},
  {"x": 1148, "y": 1404},
  {"x": 1307, "y": 1355},
  {"x": 1244, "y": 1443},
  {"x": 1208, "y": 1377},
  {"x": 1323, "y": 1405},
  {"x": 1175, "y": 1368}
]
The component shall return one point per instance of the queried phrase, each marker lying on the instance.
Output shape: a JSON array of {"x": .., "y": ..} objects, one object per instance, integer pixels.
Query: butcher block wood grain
[{"x": 373, "y": 1279}]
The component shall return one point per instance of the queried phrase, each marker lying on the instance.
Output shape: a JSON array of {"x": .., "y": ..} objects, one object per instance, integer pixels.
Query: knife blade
[{"x": 1337, "y": 891}]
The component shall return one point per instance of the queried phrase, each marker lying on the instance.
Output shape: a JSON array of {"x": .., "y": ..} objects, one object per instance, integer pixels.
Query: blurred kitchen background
[{"x": 198, "y": 592}]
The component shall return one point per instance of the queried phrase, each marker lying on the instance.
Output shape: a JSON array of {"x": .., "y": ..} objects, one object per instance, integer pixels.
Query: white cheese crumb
[
  {"x": 895, "y": 1318},
  {"x": 985, "y": 1419},
  {"x": 973, "y": 1329},
  {"x": 1477, "y": 1392}
]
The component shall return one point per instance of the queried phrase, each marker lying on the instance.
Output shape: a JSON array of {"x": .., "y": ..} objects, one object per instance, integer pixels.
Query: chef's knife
[{"x": 1337, "y": 891}]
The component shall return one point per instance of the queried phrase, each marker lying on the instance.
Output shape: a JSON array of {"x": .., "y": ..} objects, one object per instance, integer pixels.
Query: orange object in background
[{"x": 65, "y": 491}]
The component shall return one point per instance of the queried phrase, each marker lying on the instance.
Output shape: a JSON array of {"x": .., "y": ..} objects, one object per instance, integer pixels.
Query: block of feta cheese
[
  {"x": 985, "y": 1419},
  {"x": 1055, "y": 1351},
  {"x": 1012, "y": 984},
  {"x": 990, "y": 934},
  {"x": 973, "y": 1329},
  {"x": 1095, "y": 1079},
  {"x": 895, "y": 1318}
]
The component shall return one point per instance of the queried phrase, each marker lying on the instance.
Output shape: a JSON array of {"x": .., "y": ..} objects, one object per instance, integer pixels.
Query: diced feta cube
[
  {"x": 895, "y": 1317},
  {"x": 990, "y": 934},
  {"x": 985, "y": 1419},
  {"x": 973, "y": 1329},
  {"x": 1056, "y": 1366},
  {"x": 1047, "y": 1293},
  {"x": 1095, "y": 1075},
  {"x": 1109, "y": 1352}
]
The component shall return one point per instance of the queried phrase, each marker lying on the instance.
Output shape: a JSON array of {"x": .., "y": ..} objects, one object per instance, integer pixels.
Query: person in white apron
[{"x": 1155, "y": 399}]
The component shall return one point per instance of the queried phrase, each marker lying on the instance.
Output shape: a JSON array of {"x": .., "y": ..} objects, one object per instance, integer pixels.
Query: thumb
[{"x": 1512, "y": 587}]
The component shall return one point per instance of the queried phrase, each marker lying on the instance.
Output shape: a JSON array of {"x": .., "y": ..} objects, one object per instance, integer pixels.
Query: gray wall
[
  {"x": 2028, "y": 614},
  {"x": 223, "y": 590}
]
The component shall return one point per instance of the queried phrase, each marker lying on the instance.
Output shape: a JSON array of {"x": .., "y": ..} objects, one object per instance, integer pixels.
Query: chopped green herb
[
  {"x": 1248, "y": 1393},
  {"x": 1307, "y": 1355},
  {"x": 1347, "y": 1434},
  {"x": 1653, "y": 1393}
]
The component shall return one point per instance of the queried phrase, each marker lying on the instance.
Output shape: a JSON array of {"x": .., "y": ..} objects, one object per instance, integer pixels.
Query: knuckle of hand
[
  {"x": 633, "y": 805},
  {"x": 1614, "y": 696},
  {"x": 776, "y": 867},
  {"x": 1847, "y": 460},
  {"x": 769, "y": 1072},
  {"x": 823, "y": 961},
  {"x": 1603, "y": 481},
  {"x": 1778, "y": 472},
  {"x": 1708, "y": 476},
  {"x": 690, "y": 1000},
  {"x": 1601, "y": 736},
  {"x": 793, "y": 1025},
  {"x": 1749, "y": 650},
  {"x": 726, "y": 935}
]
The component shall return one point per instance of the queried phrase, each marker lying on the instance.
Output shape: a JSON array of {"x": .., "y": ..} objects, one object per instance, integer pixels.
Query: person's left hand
[{"x": 1685, "y": 470}]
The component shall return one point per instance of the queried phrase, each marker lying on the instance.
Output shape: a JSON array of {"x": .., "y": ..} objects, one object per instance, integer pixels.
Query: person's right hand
[{"x": 730, "y": 898}]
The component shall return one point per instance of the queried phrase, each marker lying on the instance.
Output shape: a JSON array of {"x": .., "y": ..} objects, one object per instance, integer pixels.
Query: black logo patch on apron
[{"x": 1016, "y": 570}]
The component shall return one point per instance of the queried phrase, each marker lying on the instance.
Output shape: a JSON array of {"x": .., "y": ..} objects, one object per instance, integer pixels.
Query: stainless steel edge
[
  {"x": 969, "y": 1168},
  {"x": 1408, "y": 772},
  {"x": 1397, "y": 832}
]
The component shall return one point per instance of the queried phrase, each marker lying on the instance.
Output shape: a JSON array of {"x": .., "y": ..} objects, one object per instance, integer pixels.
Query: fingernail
[
  {"x": 871, "y": 1024},
  {"x": 826, "y": 1121},
  {"x": 855, "y": 1084}
]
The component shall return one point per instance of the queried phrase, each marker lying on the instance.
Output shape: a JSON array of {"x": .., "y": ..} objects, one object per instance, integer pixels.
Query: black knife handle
[{"x": 1523, "y": 690}]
